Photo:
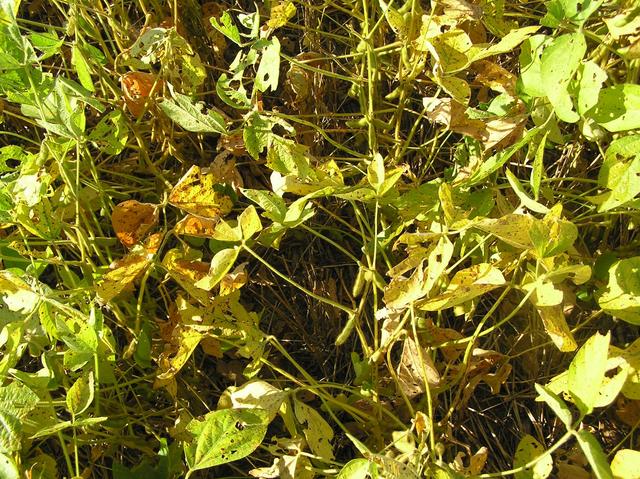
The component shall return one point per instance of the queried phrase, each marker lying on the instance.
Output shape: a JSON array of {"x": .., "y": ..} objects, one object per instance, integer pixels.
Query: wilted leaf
[
  {"x": 281, "y": 13},
  {"x": 224, "y": 436},
  {"x": 186, "y": 268},
  {"x": 491, "y": 131},
  {"x": 414, "y": 372},
  {"x": 556, "y": 327},
  {"x": 466, "y": 285},
  {"x": 123, "y": 272},
  {"x": 199, "y": 192},
  {"x": 132, "y": 220}
]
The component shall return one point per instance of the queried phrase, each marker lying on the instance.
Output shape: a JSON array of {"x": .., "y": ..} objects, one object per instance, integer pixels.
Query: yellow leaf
[
  {"x": 557, "y": 328},
  {"x": 466, "y": 285},
  {"x": 123, "y": 273},
  {"x": 198, "y": 192},
  {"x": 132, "y": 220},
  {"x": 280, "y": 14}
]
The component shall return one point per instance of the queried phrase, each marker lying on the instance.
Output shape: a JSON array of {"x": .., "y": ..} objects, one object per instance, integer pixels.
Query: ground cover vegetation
[{"x": 340, "y": 238}]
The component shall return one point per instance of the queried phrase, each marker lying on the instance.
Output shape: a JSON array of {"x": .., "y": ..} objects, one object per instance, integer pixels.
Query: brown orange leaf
[
  {"x": 198, "y": 192},
  {"x": 198, "y": 226},
  {"x": 495, "y": 77},
  {"x": 137, "y": 88},
  {"x": 132, "y": 220}
]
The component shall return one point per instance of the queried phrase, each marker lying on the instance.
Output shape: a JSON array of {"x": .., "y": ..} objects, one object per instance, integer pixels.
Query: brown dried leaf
[
  {"x": 132, "y": 220},
  {"x": 494, "y": 132},
  {"x": 411, "y": 370},
  {"x": 459, "y": 9},
  {"x": 495, "y": 77},
  {"x": 137, "y": 88}
]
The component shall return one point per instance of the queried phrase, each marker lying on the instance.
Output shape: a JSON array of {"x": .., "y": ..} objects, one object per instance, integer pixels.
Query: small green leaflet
[
  {"x": 619, "y": 173},
  {"x": 80, "y": 395},
  {"x": 227, "y": 28},
  {"x": 225, "y": 436},
  {"x": 189, "y": 115}
]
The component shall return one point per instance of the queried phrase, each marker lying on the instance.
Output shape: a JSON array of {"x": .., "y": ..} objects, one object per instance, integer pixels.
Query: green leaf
[
  {"x": 82, "y": 67},
  {"x": 617, "y": 108},
  {"x": 8, "y": 468},
  {"x": 587, "y": 372},
  {"x": 221, "y": 264},
  {"x": 537, "y": 170},
  {"x": 591, "y": 79},
  {"x": 225, "y": 436},
  {"x": 619, "y": 173},
  {"x": 356, "y": 469},
  {"x": 111, "y": 133},
  {"x": 227, "y": 28},
  {"x": 557, "y": 405},
  {"x": 553, "y": 235},
  {"x": 559, "y": 11},
  {"x": 594, "y": 454},
  {"x": 189, "y": 116},
  {"x": 10, "y": 432},
  {"x": 621, "y": 296},
  {"x": 80, "y": 395},
  {"x": 522, "y": 195},
  {"x": 288, "y": 157},
  {"x": 530, "y": 79},
  {"x": 626, "y": 464},
  {"x": 528, "y": 450},
  {"x": 269, "y": 69},
  {"x": 560, "y": 61},
  {"x": 274, "y": 207}
]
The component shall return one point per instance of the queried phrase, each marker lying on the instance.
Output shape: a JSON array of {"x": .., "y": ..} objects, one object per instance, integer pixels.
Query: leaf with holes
[{"x": 224, "y": 436}]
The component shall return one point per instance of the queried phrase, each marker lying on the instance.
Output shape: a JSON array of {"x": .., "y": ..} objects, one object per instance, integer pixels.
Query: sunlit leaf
[
  {"x": 560, "y": 61},
  {"x": 123, "y": 273},
  {"x": 626, "y": 464},
  {"x": 132, "y": 220},
  {"x": 257, "y": 394},
  {"x": 224, "y": 436},
  {"x": 281, "y": 13},
  {"x": 557, "y": 405},
  {"x": 269, "y": 69},
  {"x": 587, "y": 370},
  {"x": 466, "y": 285},
  {"x": 617, "y": 107},
  {"x": 619, "y": 173},
  {"x": 527, "y": 451},
  {"x": 621, "y": 297},
  {"x": 199, "y": 192},
  {"x": 80, "y": 395},
  {"x": 316, "y": 430},
  {"x": 594, "y": 454}
]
